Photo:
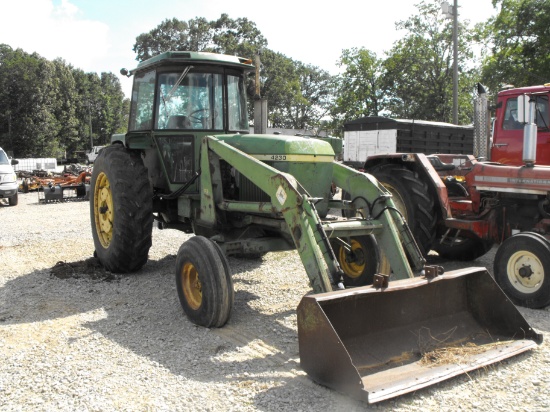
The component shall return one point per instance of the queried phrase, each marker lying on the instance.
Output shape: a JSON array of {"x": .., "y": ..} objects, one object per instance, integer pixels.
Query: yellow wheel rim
[
  {"x": 354, "y": 268},
  {"x": 525, "y": 271},
  {"x": 103, "y": 210},
  {"x": 191, "y": 285}
]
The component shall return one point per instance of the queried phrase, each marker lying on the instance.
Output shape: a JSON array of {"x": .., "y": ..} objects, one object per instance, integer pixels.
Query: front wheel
[
  {"x": 203, "y": 281},
  {"x": 522, "y": 269},
  {"x": 360, "y": 259},
  {"x": 121, "y": 209},
  {"x": 14, "y": 200}
]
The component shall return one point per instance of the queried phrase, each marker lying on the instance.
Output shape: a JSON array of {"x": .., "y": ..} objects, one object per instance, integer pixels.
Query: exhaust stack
[{"x": 526, "y": 114}]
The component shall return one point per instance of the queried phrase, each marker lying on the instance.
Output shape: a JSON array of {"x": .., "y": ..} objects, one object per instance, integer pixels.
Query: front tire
[
  {"x": 13, "y": 200},
  {"x": 522, "y": 269},
  {"x": 121, "y": 210},
  {"x": 204, "y": 284},
  {"x": 362, "y": 262}
]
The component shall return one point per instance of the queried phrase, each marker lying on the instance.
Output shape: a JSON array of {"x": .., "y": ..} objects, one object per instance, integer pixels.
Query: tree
[
  {"x": 225, "y": 35},
  {"x": 113, "y": 108},
  {"x": 65, "y": 105},
  {"x": 177, "y": 35},
  {"x": 359, "y": 90},
  {"x": 418, "y": 69},
  {"x": 46, "y": 107},
  {"x": 240, "y": 37},
  {"x": 519, "y": 44},
  {"x": 28, "y": 102}
]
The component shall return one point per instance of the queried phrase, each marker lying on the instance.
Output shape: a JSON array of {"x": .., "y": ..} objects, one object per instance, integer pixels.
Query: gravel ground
[{"x": 122, "y": 343}]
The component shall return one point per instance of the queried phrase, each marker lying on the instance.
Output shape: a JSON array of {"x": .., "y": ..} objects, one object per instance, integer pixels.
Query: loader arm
[
  {"x": 287, "y": 198},
  {"x": 378, "y": 204},
  {"x": 290, "y": 199}
]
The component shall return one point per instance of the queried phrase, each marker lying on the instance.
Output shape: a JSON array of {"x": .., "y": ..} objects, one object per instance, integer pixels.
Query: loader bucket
[{"x": 375, "y": 344}]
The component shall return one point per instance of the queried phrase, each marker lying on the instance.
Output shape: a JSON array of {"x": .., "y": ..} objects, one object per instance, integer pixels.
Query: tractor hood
[
  {"x": 308, "y": 159},
  {"x": 267, "y": 147}
]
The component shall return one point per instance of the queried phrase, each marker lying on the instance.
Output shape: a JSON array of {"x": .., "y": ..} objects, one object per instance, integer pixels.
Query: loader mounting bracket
[{"x": 431, "y": 272}]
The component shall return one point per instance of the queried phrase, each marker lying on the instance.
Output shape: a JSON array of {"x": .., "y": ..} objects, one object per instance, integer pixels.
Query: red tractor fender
[{"x": 419, "y": 163}]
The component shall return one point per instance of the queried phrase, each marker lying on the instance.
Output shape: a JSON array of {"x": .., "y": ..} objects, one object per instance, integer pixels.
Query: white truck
[
  {"x": 92, "y": 154},
  {"x": 8, "y": 179}
]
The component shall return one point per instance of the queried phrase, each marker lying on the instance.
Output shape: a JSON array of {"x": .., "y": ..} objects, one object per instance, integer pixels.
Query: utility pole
[
  {"x": 90, "y": 124},
  {"x": 455, "y": 62},
  {"x": 451, "y": 12}
]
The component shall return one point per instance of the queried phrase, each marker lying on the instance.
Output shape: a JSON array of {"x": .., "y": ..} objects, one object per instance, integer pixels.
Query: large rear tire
[
  {"x": 204, "y": 284},
  {"x": 411, "y": 197},
  {"x": 522, "y": 269},
  {"x": 121, "y": 210}
]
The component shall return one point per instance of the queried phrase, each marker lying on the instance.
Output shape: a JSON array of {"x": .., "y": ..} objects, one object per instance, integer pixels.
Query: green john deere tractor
[{"x": 188, "y": 162}]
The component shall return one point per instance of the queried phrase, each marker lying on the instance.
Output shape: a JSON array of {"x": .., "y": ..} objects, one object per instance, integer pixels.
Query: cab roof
[
  {"x": 525, "y": 90},
  {"x": 178, "y": 57}
]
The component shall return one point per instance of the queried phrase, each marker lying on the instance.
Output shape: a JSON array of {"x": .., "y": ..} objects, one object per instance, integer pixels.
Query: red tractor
[{"x": 462, "y": 205}]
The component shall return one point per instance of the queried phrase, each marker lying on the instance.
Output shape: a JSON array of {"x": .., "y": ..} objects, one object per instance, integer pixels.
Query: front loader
[{"x": 189, "y": 163}]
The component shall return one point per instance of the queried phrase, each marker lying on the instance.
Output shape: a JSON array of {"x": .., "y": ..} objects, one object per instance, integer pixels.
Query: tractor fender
[{"x": 419, "y": 163}]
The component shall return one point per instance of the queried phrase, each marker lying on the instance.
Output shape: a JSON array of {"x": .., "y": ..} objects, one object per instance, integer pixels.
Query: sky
[{"x": 98, "y": 35}]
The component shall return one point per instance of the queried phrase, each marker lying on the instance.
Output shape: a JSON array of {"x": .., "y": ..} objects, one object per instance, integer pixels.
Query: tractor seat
[
  {"x": 178, "y": 122},
  {"x": 438, "y": 165}
]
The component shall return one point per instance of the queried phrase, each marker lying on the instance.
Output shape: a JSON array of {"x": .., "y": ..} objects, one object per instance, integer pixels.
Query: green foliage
[
  {"x": 360, "y": 91},
  {"x": 46, "y": 107},
  {"x": 518, "y": 42},
  {"x": 418, "y": 72},
  {"x": 240, "y": 37},
  {"x": 414, "y": 80},
  {"x": 225, "y": 35},
  {"x": 173, "y": 34},
  {"x": 298, "y": 95}
]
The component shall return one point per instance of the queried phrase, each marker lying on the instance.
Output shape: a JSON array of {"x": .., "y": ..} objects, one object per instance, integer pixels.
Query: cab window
[
  {"x": 143, "y": 92},
  {"x": 511, "y": 114},
  {"x": 189, "y": 100}
]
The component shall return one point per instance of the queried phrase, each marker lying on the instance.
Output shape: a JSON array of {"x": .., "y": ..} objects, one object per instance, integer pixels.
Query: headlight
[{"x": 8, "y": 178}]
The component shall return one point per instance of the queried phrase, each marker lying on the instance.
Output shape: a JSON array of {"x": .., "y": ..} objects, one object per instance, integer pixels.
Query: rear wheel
[
  {"x": 522, "y": 269},
  {"x": 361, "y": 262},
  {"x": 121, "y": 210},
  {"x": 411, "y": 197},
  {"x": 203, "y": 281}
]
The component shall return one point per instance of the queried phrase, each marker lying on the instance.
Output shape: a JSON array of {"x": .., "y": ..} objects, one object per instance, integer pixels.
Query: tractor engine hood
[
  {"x": 271, "y": 147},
  {"x": 309, "y": 160}
]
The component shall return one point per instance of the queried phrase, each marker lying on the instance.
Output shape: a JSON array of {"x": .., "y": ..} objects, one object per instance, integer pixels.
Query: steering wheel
[{"x": 199, "y": 119}]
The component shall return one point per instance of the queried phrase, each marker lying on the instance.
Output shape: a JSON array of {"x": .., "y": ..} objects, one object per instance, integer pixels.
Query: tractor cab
[{"x": 178, "y": 98}]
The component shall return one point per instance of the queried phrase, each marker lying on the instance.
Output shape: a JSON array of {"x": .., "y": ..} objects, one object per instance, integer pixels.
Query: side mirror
[{"x": 14, "y": 162}]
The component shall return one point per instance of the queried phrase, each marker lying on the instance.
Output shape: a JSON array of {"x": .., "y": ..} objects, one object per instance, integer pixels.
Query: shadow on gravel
[{"x": 90, "y": 268}]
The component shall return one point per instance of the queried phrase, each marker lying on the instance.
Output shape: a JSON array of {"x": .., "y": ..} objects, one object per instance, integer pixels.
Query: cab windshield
[{"x": 189, "y": 100}]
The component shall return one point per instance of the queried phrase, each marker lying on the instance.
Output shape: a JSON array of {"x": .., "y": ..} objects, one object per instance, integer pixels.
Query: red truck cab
[{"x": 507, "y": 144}]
